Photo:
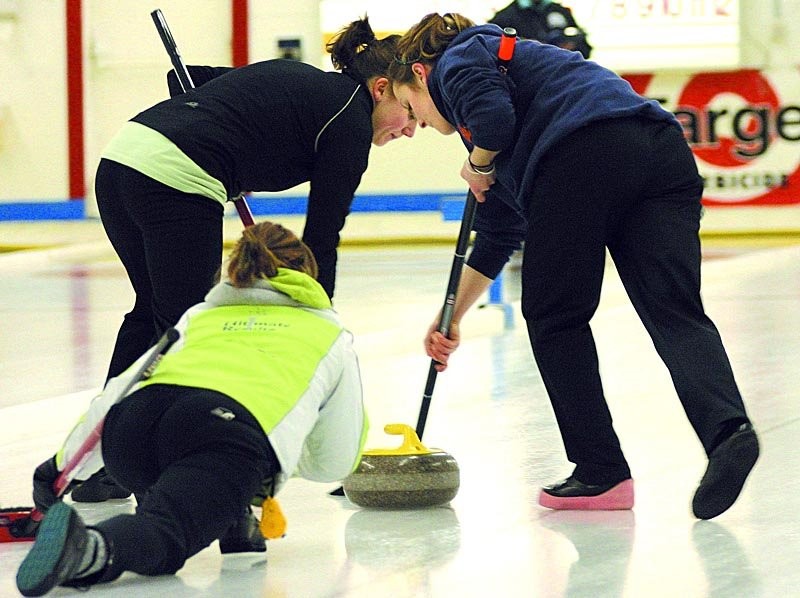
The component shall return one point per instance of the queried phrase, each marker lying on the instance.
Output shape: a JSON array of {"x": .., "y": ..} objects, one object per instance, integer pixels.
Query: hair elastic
[{"x": 406, "y": 62}]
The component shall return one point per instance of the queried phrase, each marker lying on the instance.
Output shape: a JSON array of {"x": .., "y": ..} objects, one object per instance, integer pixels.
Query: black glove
[{"x": 44, "y": 496}]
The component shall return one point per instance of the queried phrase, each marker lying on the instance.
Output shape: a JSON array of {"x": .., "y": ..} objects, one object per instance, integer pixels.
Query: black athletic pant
[
  {"x": 632, "y": 186},
  {"x": 198, "y": 456},
  {"x": 171, "y": 246}
]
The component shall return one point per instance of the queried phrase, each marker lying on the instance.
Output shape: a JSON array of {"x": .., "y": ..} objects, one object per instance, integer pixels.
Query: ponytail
[
  {"x": 425, "y": 42},
  {"x": 356, "y": 51},
  {"x": 262, "y": 249}
]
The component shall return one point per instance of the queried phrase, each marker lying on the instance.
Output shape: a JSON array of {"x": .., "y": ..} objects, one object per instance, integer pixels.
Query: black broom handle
[
  {"x": 172, "y": 50},
  {"x": 186, "y": 82},
  {"x": 504, "y": 55},
  {"x": 449, "y": 302}
]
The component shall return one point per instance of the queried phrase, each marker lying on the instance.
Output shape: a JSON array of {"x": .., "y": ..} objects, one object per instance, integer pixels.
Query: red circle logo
[{"x": 750, "y": 88}]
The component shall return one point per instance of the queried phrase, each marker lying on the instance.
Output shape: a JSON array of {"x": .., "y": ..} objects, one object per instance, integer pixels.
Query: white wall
[
  {"x": 769, "y": 33},
  {"x": 33, "y": 109},
  {"x": 272, "y": 21},
  {"x": 126, "y": 65}
]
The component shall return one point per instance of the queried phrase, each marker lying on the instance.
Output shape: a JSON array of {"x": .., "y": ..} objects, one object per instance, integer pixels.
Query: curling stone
[{"x": 409, "y": 476}]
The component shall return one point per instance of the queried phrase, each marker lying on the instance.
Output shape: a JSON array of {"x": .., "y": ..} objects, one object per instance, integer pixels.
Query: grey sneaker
[{"x": 57, "y": 553}]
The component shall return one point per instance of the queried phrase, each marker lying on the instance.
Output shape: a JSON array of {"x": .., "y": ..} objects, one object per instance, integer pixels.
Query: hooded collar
[
  {"x": 300, "y": 287},
  {"x": 287, "y": 287}
]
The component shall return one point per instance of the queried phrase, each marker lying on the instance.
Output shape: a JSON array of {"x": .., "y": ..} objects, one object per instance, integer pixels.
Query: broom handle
[
  {"x": 504, "y": 55},
  {"x": 449, "y": 303},
  {"x": 186, "y": 82},
  {"x": 145, "y": 371}
]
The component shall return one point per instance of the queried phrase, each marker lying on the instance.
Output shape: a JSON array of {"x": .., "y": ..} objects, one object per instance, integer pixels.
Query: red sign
[{"x": 742, "y": 130}]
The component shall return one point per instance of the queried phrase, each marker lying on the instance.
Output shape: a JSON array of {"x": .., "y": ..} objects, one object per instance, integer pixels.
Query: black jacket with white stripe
[{"x": 270, "y": 126}]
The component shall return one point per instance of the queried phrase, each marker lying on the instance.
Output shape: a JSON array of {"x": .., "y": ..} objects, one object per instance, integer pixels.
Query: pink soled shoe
[{"x": 574, "y": 495}]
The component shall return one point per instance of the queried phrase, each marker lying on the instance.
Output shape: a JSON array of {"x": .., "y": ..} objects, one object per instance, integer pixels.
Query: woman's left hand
[
  {"x": 439, "y": 347},
  {"x": 478, "y": 182}
]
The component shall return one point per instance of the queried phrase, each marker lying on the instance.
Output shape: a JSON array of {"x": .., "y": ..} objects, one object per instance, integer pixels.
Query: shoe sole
[
  {"x": 39, "y": 572},
  {"x": 618, "y": 498},
  {"x": 726, "y": 474},
  {"x": 95, "y": 500},
  {"x": 243, "y": 545}
]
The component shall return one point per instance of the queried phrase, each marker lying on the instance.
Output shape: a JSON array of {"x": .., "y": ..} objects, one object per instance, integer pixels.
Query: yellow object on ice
[
  {"x": 412, "y": 445},
  {"x": 273, "y": 521}
]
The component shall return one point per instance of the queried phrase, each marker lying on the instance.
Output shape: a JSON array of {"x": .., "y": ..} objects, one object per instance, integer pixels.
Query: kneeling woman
[{"x": 262, "y": 383}]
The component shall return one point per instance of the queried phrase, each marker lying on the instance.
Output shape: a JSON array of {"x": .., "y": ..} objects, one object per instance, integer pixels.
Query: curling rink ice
[{"x": 60, "y": 309}]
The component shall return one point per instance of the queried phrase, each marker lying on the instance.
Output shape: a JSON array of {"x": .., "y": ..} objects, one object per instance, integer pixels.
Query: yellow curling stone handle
[{"x": 412, "y": 445}]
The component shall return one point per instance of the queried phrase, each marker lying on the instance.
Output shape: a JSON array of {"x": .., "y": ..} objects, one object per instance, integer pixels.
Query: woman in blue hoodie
[{"x": 566, "y": 158}]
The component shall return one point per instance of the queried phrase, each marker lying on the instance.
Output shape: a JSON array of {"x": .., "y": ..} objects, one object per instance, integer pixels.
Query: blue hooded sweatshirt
[{"x": 546, "y": 94}]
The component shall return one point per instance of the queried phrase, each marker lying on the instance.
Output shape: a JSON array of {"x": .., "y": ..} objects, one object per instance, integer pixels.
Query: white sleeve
[
  {"x": 333, "y": 447},
  {"x": 86, "y": 426},
  {"x": 82, "y": 432}
]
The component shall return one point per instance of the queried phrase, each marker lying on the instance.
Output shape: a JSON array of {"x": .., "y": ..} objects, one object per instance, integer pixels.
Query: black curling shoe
[
  {"x": 243, "y": 536},
  {"x": 99, "y": 488},
  {"x": 728, "y": 468}
]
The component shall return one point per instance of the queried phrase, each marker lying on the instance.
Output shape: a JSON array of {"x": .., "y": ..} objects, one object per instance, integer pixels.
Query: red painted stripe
[
  {"x": 240, "y": 33},
  {"x": 639, "y": 82},
  {"x": 75, "y": 135}
]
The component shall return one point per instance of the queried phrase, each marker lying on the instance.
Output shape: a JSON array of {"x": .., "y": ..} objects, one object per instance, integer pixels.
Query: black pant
[
  {"x": 631, "y": 186},
  {"x": 171, "y": 246},
  {"x": 197, "y": 471}
]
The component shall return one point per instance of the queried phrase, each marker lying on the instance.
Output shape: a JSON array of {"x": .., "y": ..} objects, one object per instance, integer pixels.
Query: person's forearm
[
  {"x": 482, "y": 157},
  {"x": 472, "y": 285}
]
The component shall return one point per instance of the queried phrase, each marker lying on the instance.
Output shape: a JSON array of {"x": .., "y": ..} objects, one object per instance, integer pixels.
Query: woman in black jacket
[
  {"x": 163, "y": 180},
  {"x": 268, "y": 126}
]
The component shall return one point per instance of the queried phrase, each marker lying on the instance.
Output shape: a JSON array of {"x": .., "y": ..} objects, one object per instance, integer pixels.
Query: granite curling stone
[{"x": 409, "y": 476}]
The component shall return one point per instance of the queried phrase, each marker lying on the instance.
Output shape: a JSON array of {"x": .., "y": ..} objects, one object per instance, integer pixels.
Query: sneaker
[
  {"x": 56, "y": 555},
  {"x": 728, "y": 467},
  {"x": 99, "y": 488},
  {"x": 243, "y": 536},
  {"x": 572, "y": 494}
]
